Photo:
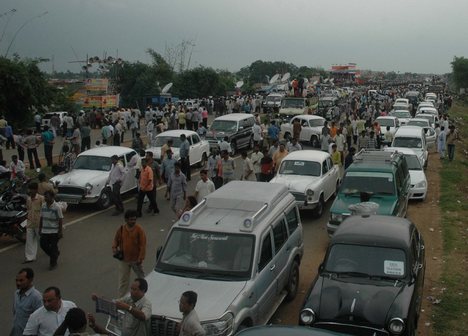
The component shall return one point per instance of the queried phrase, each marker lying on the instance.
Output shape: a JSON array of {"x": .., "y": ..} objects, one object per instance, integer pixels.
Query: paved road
[{"x": 86, "y": 265}]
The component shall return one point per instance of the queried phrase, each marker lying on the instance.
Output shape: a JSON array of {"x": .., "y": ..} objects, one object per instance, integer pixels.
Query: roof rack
[
  {"x": 374, "y": 155},
  {"x": 187, "y": 216}
]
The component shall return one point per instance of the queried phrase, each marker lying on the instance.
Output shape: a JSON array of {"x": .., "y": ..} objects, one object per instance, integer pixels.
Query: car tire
[
  {"x": 314, "y": 142},
  {"x": 318, "y": 211},
  {"x": 293, "y": 282},
  {"x": 105, "y": 199},
  {"x": 234, "y": 147}
]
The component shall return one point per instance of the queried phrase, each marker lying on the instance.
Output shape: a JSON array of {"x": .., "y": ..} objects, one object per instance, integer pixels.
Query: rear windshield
[{"x": 407, "y": 142}]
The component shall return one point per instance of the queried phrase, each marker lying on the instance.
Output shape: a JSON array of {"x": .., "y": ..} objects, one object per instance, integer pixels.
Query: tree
[
  {"x": 202, "y": 82},
  {"x": 23, "y": 88},
  {"x": 460, "y": 72}
]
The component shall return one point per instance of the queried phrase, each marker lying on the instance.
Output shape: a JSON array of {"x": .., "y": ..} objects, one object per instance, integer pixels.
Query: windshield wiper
[{"x": 353, "y": 274}]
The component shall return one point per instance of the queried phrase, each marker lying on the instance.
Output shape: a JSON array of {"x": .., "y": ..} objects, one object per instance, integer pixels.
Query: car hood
[
  {"x": 362, "y": 302},
  {"x": 342, "y": 203},
  {"x": 218, "y": 135},
  {"x": 297, "y": 183},
  {"x": 81, "y": 177},
  {"x": 157, "y": 152},
  {"x": 215, "y": 296},
  {"x": 417, "y": 176}
]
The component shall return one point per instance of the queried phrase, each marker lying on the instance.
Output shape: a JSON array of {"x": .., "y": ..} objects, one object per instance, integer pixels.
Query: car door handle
[{"x": 272, "y": 267}]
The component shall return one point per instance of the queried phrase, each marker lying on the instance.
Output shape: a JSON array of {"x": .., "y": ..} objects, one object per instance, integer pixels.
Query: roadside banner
[
  {"x": 96, "y": 84},
  {"x": 100, "y": 101}
]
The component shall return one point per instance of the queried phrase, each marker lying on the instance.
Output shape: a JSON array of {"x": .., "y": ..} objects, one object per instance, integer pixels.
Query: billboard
[
  {"x": 96, "y": 84},
  {"x": 100, "y": 101}
]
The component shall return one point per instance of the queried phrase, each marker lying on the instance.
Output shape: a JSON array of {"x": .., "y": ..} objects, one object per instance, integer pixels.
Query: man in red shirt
[{"x": 146, "y": 188}]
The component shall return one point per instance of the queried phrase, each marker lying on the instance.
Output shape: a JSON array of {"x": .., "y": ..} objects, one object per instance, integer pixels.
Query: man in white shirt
[
  {"x": 257, "y": 133},
  {"x": 115, "y": 180},
  {"x": 204, "y": 187},
  {"x": 293, "y": 145},
  {"x": 190, "y": 324},
  {"x": 224, "y": 145},
  {"x": 45, "y": 320},
  {"x": 256, "y": 157}
]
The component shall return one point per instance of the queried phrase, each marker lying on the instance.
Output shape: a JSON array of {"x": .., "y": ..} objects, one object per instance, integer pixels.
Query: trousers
[
  {"x": 49, "y": 244},
  {"x": 32, "y": 242},
  {"x": 124, "y": 275}
]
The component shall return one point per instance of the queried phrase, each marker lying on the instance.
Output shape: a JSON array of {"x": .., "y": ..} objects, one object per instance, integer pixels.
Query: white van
[{"x": 413, "y": 137}]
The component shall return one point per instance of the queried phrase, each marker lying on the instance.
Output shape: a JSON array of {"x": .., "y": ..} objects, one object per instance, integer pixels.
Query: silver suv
[{"x": 239, "y": 249}]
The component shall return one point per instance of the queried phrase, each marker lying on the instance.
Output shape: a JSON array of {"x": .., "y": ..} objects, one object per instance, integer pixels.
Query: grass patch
[{"x": 450, "y": 316}]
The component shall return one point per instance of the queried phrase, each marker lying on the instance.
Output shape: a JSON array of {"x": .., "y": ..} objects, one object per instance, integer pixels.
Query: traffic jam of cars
[{"x": 243, "y": 244}]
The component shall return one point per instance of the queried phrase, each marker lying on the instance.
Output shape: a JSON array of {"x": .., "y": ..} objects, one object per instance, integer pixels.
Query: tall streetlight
[{"x": 20, "y": 28}]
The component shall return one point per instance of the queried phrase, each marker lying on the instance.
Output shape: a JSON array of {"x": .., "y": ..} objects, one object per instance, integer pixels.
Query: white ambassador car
[
  {"x": 311, "y": 129},
  {"x": 418, "y": 189},
  {"x": 311, "y": 177},
  {"x": 86, "y": 182},
  {"x": 199, "y": 148}
]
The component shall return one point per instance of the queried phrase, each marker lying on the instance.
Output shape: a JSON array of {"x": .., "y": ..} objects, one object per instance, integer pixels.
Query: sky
[{"x": 382, "y": 35}]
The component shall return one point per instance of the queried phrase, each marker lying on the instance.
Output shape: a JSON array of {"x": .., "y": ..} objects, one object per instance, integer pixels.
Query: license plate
[
  {"x": 72, "y": 201},
  {"x": 24, "y": 223}
]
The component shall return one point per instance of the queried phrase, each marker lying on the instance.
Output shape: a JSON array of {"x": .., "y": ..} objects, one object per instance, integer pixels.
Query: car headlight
[
  {"x": 55, "y": 183},
  {"x": 396, "y": 325},
  {"x": 307, "y": 316},
  {"x": 309, "y": 193},
  {"x": 336, "y": 217},
  {"x": 222, "y": 326},
  {"x": 88, "y": 187},
  {"x": 421, "y": 184}
]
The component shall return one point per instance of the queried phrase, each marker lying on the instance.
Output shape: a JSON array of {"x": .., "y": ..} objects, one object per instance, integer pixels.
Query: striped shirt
[{"x": 51, "y": 216}]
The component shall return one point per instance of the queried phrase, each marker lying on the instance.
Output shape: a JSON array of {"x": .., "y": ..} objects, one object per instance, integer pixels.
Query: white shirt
[
  {"x": 203, "y": 189},
  {"x": 44, "y": 322},
  {"x": 340, "y": 142},
  {"x": 257, "y": 132},
  {"x": 255, "y": 158}
]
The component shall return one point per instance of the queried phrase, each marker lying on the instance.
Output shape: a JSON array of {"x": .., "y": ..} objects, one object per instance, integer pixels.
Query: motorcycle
[{"x": 13, "y": 210}]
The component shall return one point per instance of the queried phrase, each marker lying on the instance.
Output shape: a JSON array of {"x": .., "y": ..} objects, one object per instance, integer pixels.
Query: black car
[
  {"x": 283, "y": 330},
  {"x": 371, "y": 280}
]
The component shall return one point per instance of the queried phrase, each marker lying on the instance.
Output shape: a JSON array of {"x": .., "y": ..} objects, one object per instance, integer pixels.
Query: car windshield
[
  {"x": 89, "y": 162},
  {"x": 422, "y": 123},
  {"x": 371, "y": 261},
  {"x": 292, "y": 103},
  {"x": 300, "y": 167},
  {"x": 316, "y": 122},
  {"x": 430, "y": 118},
  {"x": 407, "y": 142},
  {"x": 208, "y": 255},
  {"x": 223, "y": 126},
  {"x": 273, "y": 99},
  {"x": 326, "y": 103},
  {"x": 401, "y": 114},
  {"x": 386, "y": 122},
  {"x": 413, "y": 162},
  {"x": 161, "y": 140},
  {"x": 374, "y": 183}
]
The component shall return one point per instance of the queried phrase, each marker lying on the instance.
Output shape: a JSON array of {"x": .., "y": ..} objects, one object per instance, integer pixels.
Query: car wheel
[
  {"x": 293, "y": 282},
  {"x": 314, "y": 141},
  {"x": 234, "y": 147},
  {"x": 318, "y": 211},
  {"x": 105, "y": 200}
]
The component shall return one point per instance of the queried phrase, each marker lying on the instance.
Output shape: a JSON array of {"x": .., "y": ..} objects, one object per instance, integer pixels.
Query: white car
[
  {"x": 311, "y": 177},
  {"x": 311, "y": 129},
  {"x": 199, "y": 149},
  {"x": 428, "y": 110},
  {"x": 86, "y": 182},
  {"x": 425, "y": 104},
  {"x": 430, "y": 117},
  {"x": 392, "y": 122},
  {"x": 418, "y": 189},
  {"x": 430, "y": 132},
  {"x": 402, "y": 101},
  {"x": 402, "y": 115},
  {"x": 413, "y": 137}
]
